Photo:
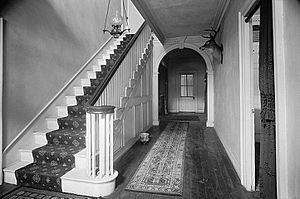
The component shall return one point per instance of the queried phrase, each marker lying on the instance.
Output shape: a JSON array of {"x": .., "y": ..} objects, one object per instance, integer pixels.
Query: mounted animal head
[{"x": 211, "y": 44}]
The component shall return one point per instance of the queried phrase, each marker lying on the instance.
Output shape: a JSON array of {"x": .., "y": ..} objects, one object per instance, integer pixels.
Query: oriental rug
[
  {"x": 162, "y": 169},
  {"x": 30, "y": 193}
]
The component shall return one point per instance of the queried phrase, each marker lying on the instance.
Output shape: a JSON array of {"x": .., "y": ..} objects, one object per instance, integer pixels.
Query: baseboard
[
  {"x": 119, "y": 153},
  {"x": 209, "y": 123},
  {"x": 125, "y": 148},
  {"x": 234, "y": 161},
  {"x": 155, "y": 122}
]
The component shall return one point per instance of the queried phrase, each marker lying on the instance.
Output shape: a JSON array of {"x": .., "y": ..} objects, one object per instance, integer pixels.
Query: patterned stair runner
[{"x": 56, "y": 158}]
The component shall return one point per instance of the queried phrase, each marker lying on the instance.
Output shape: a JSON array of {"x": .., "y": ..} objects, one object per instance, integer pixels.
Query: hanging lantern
[{"x": 117, "y": 22}]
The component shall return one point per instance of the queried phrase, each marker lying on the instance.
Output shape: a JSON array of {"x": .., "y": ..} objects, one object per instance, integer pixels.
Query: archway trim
[{"x": 210, "y": 80}]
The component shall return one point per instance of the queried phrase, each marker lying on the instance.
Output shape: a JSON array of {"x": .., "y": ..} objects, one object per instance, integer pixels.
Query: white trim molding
[
  {"x": 280, "y": 100},
  {"x": 246, "y": 115},
  {"x": 246, "y": 125},
  {"x": 1, "y": 98}
]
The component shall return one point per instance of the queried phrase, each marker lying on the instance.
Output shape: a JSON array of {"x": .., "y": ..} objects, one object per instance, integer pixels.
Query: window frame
[{"x": 187, "y": 85}]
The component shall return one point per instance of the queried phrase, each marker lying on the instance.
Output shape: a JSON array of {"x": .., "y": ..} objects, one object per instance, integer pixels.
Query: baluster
[{"x": 93, "y": 133}]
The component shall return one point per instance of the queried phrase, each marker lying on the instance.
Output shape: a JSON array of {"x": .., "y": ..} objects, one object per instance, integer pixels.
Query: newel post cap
[{"x": 100, "y": 109}]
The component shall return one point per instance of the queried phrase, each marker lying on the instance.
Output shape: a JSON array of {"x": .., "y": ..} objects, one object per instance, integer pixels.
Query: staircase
[{"x": 43, "y": 165}]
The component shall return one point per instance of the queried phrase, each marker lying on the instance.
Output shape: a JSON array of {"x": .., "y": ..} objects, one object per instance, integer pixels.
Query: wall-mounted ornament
[{"x": 211, "y": 45}]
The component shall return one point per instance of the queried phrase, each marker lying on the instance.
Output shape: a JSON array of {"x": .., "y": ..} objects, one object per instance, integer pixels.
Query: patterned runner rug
[
  {"x": 30, "y": 193},
  {"x": 162, "y": 169}
]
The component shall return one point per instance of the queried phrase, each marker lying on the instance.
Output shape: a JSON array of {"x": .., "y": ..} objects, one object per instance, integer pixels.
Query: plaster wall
[
  {"x": 291, "y": 47},
  {"x": 227, "y": 95},
  {"x": 177, "y": 66},
  {"x": 45, "y": 43},
  {"x": 135, "y": 19}
]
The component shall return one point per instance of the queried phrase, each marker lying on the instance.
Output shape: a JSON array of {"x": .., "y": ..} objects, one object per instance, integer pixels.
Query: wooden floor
[{"x": 208, "y": 172}]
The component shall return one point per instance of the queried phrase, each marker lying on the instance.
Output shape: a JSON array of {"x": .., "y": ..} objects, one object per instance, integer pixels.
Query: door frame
[
  {"x": 247, "y": 149},
  {"x": 1, "y": 99},
  {"x": 247, "y": 138}
]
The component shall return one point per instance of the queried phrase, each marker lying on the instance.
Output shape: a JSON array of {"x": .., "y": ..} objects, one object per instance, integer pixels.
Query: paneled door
[{"x": 187, "y": 101}]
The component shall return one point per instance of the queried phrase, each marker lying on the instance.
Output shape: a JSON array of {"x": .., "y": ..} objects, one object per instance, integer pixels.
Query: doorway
[
  {"x": 257, "y": 105},
  {"x": 182, "y": 82}
]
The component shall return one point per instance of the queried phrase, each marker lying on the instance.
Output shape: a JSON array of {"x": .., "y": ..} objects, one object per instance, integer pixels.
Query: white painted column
[
  {"x": 210, "y": 99},
  {"x": 155, "y": 98}
]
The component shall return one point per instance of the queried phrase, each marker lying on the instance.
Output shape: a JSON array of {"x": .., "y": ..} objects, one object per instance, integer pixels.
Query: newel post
[{"x": 99, "y": 144}]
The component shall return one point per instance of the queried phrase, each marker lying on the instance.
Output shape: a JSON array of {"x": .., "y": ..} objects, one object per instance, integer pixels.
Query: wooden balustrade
[
  {"x": 115, "y": 89},
  {"x": 100, "y": 116}
]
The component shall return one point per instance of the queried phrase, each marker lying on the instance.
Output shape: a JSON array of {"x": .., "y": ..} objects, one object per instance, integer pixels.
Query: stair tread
[
  {"x": 46, "y": 169},
  {"x": 42, "y": 176},
  {"x": 74, "y": 137}
]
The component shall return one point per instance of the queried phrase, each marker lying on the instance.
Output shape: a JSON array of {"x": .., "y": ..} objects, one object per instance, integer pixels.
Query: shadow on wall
[
  {"x": 34, "y": 39},
  {"x": 45, "y": 43}
]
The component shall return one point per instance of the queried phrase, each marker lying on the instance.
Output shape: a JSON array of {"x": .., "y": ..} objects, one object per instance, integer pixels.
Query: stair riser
[
  {"x": 40, "y": 139},
  {"x": 91, "y": 75},
  {"x": 10, "y": 177},
  {"x": 71, "y": 100},
  {"x": 26, "y": 156},
  {"x": 62, "y": 111},
  {"x": 85, "y": 82},
  {"x": 52, "y": 124}
]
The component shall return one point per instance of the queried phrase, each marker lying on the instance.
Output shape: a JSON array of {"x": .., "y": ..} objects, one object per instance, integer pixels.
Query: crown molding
[
  {"x": 149, "y": 18},
  {"x": 220, "y": 12}
]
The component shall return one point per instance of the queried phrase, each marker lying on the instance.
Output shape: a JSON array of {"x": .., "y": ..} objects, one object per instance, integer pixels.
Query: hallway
[{"x": 208, "y": 172}]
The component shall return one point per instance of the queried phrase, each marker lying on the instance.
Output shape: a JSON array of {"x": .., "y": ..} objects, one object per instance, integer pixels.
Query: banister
[{"x": 115, "y": 67}]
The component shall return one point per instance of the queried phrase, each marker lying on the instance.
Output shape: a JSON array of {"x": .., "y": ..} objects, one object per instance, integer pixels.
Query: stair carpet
[{"x": 56, "y": 158}]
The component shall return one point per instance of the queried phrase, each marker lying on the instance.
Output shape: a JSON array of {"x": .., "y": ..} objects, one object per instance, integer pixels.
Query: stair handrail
[{"x": 114, "y": 68}]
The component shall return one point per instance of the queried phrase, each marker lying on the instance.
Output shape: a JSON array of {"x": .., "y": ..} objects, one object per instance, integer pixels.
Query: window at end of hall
[{"x": 186, "y": 85}]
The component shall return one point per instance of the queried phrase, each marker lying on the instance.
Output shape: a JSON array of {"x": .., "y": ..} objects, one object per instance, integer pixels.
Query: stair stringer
[{"x": 19, "y": 151}]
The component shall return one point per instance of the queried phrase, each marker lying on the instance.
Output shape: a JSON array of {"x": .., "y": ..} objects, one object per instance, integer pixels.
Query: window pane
[
  {"x": 183, "y": 91},
  {"x": 182, "y": 80},
  {"x": 190, "y": 91},
  {"x": 190, "y": 79}
]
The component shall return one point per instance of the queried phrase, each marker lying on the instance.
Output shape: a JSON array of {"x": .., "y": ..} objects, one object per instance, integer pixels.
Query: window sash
[{"x": 187, "y": 85}]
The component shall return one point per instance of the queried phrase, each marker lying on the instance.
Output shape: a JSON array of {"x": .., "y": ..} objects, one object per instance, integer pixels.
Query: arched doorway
[
  {"x": 182, "y": 82},
  {"x": 159, "y": 54}
]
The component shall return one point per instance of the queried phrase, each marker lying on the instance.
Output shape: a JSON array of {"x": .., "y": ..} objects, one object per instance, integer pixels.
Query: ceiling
[{"x": 176, "y": 18}]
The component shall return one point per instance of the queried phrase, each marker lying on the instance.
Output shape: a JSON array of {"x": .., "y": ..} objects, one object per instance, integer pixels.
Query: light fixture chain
[
  {"x": 108, "y": 5},
  {"x": 125, "y": 12}
]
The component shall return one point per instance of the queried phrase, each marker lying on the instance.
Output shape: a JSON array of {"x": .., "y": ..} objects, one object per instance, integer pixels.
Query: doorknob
[{"x": 252, "y": 110}]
